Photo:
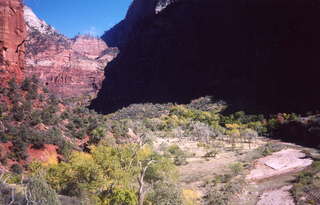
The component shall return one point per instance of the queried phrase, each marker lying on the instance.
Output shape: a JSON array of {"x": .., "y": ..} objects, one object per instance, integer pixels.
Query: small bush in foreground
[{"x": 39, "y": 192}]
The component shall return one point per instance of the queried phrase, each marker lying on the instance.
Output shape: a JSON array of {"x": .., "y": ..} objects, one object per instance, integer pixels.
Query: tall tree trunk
[{"x": 141, "y": 181}]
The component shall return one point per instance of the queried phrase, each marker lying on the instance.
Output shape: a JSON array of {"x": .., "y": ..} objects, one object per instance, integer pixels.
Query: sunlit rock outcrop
[
  {"x": 68, "y": 67},
  {"x": 12, "y": 38}
]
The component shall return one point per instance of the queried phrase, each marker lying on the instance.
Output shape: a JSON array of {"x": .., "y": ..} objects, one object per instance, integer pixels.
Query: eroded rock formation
[
  {"x": 12, "y": 37},
  {"x": 259, "y": 56},
  {"x": 68, "y": 67}
]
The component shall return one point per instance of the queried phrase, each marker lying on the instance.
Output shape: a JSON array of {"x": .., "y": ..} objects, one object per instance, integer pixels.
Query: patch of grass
[
  {"x": 236, "y": 168},
  {"x": 180, "y": 157},
  {"x": 268, "y": 149},
  {"x": 220, "y": 194}
]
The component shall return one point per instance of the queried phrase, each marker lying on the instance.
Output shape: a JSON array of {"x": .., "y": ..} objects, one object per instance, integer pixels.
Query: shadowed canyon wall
[
  {"x": 12, "y": 37},
  {"x": 259, "y": 56}
]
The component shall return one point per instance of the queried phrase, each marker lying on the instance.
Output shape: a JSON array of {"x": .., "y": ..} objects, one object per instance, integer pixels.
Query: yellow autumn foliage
[
  {"x": 233, "y": 126},
  {"x": 190, "y": 197}
]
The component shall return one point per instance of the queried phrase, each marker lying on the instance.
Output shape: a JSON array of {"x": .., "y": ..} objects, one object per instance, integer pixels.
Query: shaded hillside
[{"x": 256, "y": 55}]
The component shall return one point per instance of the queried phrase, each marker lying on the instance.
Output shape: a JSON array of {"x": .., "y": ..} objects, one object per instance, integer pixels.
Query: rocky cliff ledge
[
  {"x": 259, "y": 56},
  {"x": 12, "y": 37},
  {"x": 68, "y": 67}
]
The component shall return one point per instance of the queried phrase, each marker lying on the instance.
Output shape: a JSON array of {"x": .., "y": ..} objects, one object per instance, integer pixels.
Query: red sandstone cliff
[
  {"x": 68, "y": 67},
  {"x": 12, "y": 37}
]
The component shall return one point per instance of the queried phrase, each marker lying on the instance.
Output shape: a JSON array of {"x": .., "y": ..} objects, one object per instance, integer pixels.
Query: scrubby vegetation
[
  {"x": 307, "y": 185},
  {"x": 120, "y": 158}
]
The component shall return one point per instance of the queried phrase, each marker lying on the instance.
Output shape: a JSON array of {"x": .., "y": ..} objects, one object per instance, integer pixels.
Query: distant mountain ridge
[
  {"x": 34, "y": 22},
  {"x": 68, "y": 67}
]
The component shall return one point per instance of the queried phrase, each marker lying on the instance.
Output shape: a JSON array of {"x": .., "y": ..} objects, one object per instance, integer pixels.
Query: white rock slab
[{"x": 279, "y": 163}]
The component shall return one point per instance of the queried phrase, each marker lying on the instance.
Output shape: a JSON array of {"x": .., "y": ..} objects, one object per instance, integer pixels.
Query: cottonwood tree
[
  {"x": 153, "y": 168},
  {"x": 119, "y": 174}
]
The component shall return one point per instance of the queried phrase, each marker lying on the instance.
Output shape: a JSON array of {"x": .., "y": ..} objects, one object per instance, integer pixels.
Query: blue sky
[{"x": 71, "y": 17}]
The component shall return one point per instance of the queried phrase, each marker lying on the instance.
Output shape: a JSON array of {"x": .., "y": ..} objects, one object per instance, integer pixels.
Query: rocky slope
[
  {"x": 12, "y": 37},
  {"x": 257, "y": 55},
  {"x": 68, "y": 67}
]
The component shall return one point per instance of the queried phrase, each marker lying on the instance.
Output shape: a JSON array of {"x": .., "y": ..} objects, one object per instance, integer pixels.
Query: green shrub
[
  {"x": 53, "y": 100},
  {"x": 180, "y": 160},
  {"x": 97, "y": 134},
  {"x": 120, "y": 196},
  {"x": 15, "y": 97},
  {"x": 19, "y": 149},
  {"x": 270, "y": 148},
  {"x": 35, "y": 118},
  {"x": 26, "y": 84},
  {"x": 259, "y": 127},
  {"x": 225, "y": 178},
  {"x": 39, "y": 192},
  {"x": 12, "y": 85},
  {"x": 306, "y": 185},
  {"x": 119, "y": 128},
  {"x": 174, "y": 150},
  {"x": 220, "y": 195},
  {"x": 236, "y": 168},
  {"x": 18, "y": 113},
  {"x": 249, "y": 135},
  {"x": 141, "y": 111},
  {"x": 16, "y": 168},
  {"x": 212, "y": 153},
  {"x": 45, "y": 90},
  {"x": 79, "y": 134},
  {"x": 66, "y": 115},
  {"x": 207, "y": 104},
  {"x": 183, "y": 113},
  {"x": 34, "y": 80},
  {"x": 178, "y": 155},
  {"x": 3, "y": 108},
  {"x": 32, "y": 92},
  {"x": 48, "y": 117},
  {"x": 165, "y": 193},
  {"x": 3, "y": 137}
]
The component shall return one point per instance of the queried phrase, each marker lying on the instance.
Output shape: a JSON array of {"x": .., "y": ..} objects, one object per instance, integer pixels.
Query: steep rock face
[
  {"x": 68, "y": 67},
  {"x": 257, "y": 55},
  {"x": 12, "y": 37},
  {"x": 162, "y": 4},
  {"x": 138, "y": 11},
  {"x": 35, "y": 23}
]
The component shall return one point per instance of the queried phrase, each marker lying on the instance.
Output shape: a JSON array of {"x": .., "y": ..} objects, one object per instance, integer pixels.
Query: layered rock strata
[
  {"x": 68, "y": 67},
  {"x": 12, "y": 38}
]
